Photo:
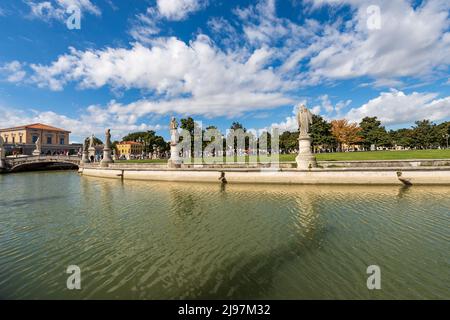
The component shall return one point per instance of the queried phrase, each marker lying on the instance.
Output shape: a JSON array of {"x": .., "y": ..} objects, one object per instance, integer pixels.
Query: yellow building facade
[{"x": 128, "y": 149}]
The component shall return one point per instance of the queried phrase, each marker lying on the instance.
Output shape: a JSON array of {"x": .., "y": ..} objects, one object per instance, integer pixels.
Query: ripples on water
[{"x": 150, "y": 240}]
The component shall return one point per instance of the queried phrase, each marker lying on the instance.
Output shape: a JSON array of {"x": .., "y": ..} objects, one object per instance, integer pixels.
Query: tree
[
  {"x": 321, "y": 133},
  {"x": 425, "y": 134},
  {"x": 402, "y": 137},
  {"x": 97, "y": 141},
  {"x": 289, "y": 141},
  {"x": 148, "y": 139},
  {"x": 373, "y": 133},
  {"x": 345, "y": 132}
]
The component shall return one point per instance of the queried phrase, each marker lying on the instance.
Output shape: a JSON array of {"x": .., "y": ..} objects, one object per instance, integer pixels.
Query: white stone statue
[
  {"x": 305, "y": 119},
  {"x": 91, "y": 142},
  {"x": 107, "y": 159},
  {"x": 175, "y": 161},
  {"x": 37, "y": 150},
  {"x": 305, "y": 159},
  {"x": 173, "y": 131}
]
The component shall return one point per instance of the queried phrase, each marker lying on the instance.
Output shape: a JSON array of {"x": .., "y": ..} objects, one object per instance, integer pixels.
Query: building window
[
  {"x": 61, "y": 141},
  {"x": 34, "y": 139},
  {"x": 20, "y": 139},
  {"x": 49, "y": 139},
  {"x": 13, "y": 140},
  {"x": 6, "y": 139}
]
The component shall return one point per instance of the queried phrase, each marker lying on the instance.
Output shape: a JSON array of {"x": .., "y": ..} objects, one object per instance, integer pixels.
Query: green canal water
[{"x": 149, "y": 240}]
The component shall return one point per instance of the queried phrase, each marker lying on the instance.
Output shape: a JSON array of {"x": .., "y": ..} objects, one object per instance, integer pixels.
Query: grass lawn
[{"x": 345, "y": 156}]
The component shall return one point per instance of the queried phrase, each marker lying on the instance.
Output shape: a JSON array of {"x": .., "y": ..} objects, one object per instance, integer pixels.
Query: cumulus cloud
[
  {"x": 93, "y": 121},
  {"x": 13, "y": 71},
  {"x": 396, "y": 107},
  {"x": 178, "y": 9},
  {"x": 56, "y": 9},
  {"x": 197, "y": 77}
]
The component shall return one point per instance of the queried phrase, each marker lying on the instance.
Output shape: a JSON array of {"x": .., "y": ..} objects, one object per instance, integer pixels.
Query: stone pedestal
[
  {"x": 175, "y": 161},
  {"x": 91, "y": 153},
  {"x": 305, "y": 159},
  {"x": 85, "y": 157},
  {"x": 107, "y": 159},
  {"x": 36, "y": 153}
]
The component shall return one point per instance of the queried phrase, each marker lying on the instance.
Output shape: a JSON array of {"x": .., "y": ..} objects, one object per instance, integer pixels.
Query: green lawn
[{"x": 345, "y": 156}]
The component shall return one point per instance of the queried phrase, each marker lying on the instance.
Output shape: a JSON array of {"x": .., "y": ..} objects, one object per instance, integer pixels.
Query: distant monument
[
  {"x": 91, "y": 149},
  {"x": 85, "y": 156},
  {"x": 2, "y": 153},
  {"x": 37, "y": 150},
  {"x": 175, "y": 161},
  {"x": 305, "y": 159},
  {"x": 107, "y": 159}
]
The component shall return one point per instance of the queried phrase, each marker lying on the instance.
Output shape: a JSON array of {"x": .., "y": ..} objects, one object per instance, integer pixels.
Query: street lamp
[{"x": 446, "y": 136}]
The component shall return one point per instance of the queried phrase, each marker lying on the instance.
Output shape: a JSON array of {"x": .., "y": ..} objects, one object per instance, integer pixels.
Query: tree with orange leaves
[{"x": 345, "y": 132}]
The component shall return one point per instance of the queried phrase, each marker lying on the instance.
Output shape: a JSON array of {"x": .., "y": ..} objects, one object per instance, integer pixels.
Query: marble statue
[
  {"x": 304, "y": 118},
  {"x": 84, "y": 154},
  {"x": 175, "y": 161},
  {"x": 91, "y": 142},
  {"x": 107, "y": 158},
  {"x": 305, "y": 159},
  {"x": 37, "y": 150}
]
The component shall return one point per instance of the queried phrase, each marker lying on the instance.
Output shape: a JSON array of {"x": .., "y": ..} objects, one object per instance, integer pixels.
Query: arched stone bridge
[{"x": 40, "y": 162}]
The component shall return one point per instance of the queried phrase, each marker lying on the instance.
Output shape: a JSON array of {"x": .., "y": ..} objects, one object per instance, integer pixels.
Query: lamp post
[{"x": 446, "y": 136}]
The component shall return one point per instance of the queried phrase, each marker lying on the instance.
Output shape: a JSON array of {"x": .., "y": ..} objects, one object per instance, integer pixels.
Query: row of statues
[
  {"x": 305, "y": 159},
  {"x": 88, "y": 154}
]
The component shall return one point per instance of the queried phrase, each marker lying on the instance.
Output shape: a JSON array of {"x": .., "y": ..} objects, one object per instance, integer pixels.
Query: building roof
[
  {"x": 131, "y": 142},
  {"x": 38, "y": 126}
]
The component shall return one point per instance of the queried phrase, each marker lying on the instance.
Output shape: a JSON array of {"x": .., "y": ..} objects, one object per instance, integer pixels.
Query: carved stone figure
[
  {"x": 107, "y": 159},
  {"x": 175, "y": 161},
  {"x": 305, "y": 159},
  {"x": 91, "y": 142},
  {"x": 37, "y": 150},
  {"x": 304, "y": 118}
]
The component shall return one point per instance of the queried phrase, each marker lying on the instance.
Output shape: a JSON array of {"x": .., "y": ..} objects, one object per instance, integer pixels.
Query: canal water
[{"x": 150, "y": 240}]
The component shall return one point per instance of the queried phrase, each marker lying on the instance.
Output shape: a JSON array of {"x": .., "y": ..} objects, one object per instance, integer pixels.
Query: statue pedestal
[
  {"x": 36, "y": 153},
  {"x": 106, "y": 158},
  {"x": 175, "y": 161},
  {"x": 85, "y": 157},
  {"x": 91, "y": 153},
  {"x": 305, "y": 159}
]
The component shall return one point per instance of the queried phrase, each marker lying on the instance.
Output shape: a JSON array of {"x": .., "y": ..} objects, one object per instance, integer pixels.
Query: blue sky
[{"x": 135, "y": 63}]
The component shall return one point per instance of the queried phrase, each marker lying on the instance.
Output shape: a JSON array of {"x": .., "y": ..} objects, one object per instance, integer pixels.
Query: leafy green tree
[
  {"x": 321, "y": 133},
  {"x": 97, "y": 141},
  {"x": 373, "y": 133},
  {"x": 288, "y": 141},
  {"x": 425, "y": 134}
]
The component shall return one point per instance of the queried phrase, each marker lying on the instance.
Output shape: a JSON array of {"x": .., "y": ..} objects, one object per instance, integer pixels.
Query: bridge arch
[{"x": 43, "y": 163}]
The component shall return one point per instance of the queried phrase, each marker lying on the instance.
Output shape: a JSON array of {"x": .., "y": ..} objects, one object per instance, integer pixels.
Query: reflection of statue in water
[{"x": 304, "y": 118}]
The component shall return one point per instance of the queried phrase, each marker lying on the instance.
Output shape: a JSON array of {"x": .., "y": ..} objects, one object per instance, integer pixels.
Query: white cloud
[
  {"x": 93, "y": 121},
  {"x": 411, "y": 42},
  {"x": 178, "y": 9},
  {"x": 396, "y": 107},
  {"x": 56, "y": 9},
  {"x": 195, "y": 78},
  {"x": 13, "y": 71}
]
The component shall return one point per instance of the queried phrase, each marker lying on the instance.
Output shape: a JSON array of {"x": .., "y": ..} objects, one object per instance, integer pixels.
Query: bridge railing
[{"x": 16, "y": 161}]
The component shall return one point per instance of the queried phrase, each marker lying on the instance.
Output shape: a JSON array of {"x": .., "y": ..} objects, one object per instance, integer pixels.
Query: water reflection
[{"x": 156, "y": 240}]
